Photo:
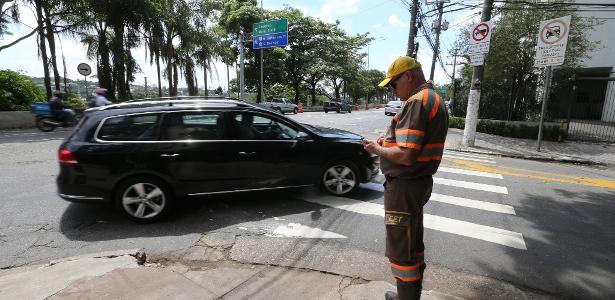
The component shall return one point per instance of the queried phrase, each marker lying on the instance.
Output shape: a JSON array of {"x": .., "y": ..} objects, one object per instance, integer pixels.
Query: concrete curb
[{"x": 545, "y": 158}]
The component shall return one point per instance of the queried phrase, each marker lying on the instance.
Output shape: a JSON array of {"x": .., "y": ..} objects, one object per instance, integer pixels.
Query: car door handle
[
  {"x": 169, "y": 155},
  {"x": 243, "y": 153}
]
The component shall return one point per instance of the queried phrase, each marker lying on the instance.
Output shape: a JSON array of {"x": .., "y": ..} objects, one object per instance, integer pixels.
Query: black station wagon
[{"x": 145, "y": 157}]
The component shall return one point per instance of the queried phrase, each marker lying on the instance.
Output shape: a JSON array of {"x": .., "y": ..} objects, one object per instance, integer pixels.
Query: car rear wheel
[
  {"x": 295, "y": 111},
  {"x": 337, "y": 110},
  {"x": 340, "y": 178},
  {"x": 144, "y": 199},
  {"x": 326, "y": 111}
]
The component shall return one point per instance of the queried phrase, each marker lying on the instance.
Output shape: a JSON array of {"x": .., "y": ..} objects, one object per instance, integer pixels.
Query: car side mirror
[{"x": 303, "y": 137}]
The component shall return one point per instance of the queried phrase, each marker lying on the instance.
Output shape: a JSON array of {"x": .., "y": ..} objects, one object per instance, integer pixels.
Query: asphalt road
[{"x": 544, "y": 228}]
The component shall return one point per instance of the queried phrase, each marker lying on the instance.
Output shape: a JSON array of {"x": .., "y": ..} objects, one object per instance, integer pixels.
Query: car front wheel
[
  {"x": 341, "y": 178},
  {"x": 144, "y": 199}
]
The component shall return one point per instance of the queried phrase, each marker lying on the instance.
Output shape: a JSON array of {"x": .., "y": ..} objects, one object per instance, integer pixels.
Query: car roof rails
[{"x": 170, "y": 101}]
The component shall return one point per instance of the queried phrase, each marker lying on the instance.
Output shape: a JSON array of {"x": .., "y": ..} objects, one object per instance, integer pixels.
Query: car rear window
[{"x": 141, "y": 127}]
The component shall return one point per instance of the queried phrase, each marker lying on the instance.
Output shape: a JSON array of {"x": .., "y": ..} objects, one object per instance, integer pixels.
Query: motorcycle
[{"x": 46, "y": 122}]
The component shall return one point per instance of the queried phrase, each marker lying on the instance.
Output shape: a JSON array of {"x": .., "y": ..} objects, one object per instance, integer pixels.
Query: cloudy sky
[{"x": 385, "y": 20}]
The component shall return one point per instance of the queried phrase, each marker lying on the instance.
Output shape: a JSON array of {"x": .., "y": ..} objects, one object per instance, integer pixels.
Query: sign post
[
  {"x": 550, "y": 51},
  {"x": 85, "y": 70},
  {"x": 267, "y": 34}
]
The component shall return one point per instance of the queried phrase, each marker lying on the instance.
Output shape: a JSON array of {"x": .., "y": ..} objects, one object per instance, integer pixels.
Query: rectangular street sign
[
  {"x": 270, "y": 40},
  {"x": 552, "y": 41},
  {"x": 477, "y": 59},
  {"x": 269, "y": 27}
]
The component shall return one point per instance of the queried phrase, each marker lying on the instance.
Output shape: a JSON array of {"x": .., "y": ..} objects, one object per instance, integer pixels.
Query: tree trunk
[
  {"x": 175, "y": 79},
  {"x": 119, "y": 61},
  {"x": 205, "y": 78},
  {"x": 296, "y": 88},
  {"x": 52, "y": 47},
  {"x": 43, "y": 47},
  {"x": 105, "y": 78},
  {"x": 158, "y": 73}
]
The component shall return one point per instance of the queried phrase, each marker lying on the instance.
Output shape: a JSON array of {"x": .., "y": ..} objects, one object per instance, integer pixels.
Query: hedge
[{"x": 502, "y": 128}]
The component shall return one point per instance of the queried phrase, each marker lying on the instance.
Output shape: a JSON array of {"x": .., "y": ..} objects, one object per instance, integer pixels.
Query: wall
[{"x": 16, "y": 119}]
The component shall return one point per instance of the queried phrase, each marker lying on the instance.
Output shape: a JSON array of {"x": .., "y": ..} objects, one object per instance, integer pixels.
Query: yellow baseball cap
[{"x": 400, "y": 65}]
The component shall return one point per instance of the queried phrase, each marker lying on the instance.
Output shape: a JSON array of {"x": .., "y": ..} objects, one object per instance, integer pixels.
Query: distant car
[
  {"x": 281, "y": 105},
  {"x": 145, "y": 157},
  {"x": 337, "y": 105},
  {"x": 392, "y": 108}
]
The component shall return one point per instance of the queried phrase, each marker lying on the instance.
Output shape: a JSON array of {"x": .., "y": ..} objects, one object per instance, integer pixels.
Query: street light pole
[{"x": 262, "y": 98}]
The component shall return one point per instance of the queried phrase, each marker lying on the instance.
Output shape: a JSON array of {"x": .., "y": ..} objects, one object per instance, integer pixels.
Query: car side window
[
  {"x": 141, "y": 127},
  {"x": 200, "y": 126},
  {"x": 249, "y": 126}
]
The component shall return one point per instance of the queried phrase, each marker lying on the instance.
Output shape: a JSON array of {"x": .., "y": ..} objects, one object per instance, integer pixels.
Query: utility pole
[
  {"x": 436, "y": 50},
  {"x": 412, "y": 34},
  {"x": 469, "y": 131},
  {"x": 454, "y": 65},
  {"x": 145, "y": 86},
  {"x": 262, "y": 97}
]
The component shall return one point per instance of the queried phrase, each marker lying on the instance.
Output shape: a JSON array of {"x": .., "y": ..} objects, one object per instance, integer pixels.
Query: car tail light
[{"x": 67, "y": 157}]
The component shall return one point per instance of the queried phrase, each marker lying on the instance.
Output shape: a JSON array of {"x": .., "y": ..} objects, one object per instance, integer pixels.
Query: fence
[{"x": 591, "y": 130}]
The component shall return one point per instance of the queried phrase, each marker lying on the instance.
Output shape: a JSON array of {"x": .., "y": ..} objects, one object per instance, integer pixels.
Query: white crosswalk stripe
[
  {"x": 482, "y": 205},
  {"x": 481, "y": 232},
  {"x": 488, "y": 161},
  {"x": 468, "y": 172},
  {"x": 474, "y": 155},
  {"x": 471, "y": 185}
]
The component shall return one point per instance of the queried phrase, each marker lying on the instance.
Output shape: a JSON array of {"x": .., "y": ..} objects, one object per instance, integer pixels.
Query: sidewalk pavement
[
  {"x": 589, "y": 153},
  {"x": 125, "y": 275}
]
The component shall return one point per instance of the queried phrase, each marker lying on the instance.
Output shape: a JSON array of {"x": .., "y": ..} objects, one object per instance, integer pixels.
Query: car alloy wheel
[
  {"x": 144, "y": 199},
  {"x": 340, "y": 179}
]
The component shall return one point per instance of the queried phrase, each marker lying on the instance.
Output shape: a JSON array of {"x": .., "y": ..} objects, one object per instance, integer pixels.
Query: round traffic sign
[
  {"x": 84, "y": 69},
  {"x": 480, "y": 32},
  {"x": 553, "y": 32}
]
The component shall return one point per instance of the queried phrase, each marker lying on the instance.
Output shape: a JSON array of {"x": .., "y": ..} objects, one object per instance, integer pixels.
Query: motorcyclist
[
  {"x": 101, "y": 100},
  {"x": 59, "y": 110}
]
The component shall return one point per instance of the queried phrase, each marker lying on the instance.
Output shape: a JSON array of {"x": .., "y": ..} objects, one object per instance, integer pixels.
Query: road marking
[
  {"x": 471, "y": 185},
  {"x": 477, "y": 231},
  {"x": 596, "y": 182},
  {"x": 468, "y": 172},
  {"x": 457, "y": 153},
  {"x": 482, "y": 205},
  {"x": 296, "y": 230},
  {"x": 455, "y": 157},
  {"x": 481, "y": 232}
]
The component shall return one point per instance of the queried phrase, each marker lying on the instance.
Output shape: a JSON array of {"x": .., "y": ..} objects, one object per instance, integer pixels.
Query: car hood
[{"x": 334, "y": 133}]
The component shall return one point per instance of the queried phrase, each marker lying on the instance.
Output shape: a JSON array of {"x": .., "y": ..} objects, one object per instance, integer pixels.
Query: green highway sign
[{"x": 270, "y": 27}]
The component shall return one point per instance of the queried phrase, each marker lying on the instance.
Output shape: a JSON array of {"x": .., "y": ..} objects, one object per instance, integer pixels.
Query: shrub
[
  {"x": 502, "y": 128},
  {"x": 17, "y": 91}
]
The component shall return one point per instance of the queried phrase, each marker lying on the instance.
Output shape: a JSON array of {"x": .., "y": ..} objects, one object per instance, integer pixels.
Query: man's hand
[
  {"x": 371, "y": 146},
  {"x": 380, "y": 139}
]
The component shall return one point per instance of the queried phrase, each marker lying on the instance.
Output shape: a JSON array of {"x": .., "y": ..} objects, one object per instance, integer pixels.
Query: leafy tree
[
  {"x": 17, "y": 91},
  {"x": 510, "y": 78}
]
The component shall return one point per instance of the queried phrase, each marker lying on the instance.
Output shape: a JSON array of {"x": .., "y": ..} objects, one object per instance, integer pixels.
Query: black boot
[
  {"x": 407, "y": 291},
  {"x": 390, "y": 295}
]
